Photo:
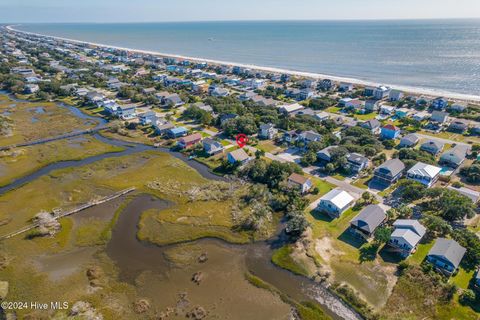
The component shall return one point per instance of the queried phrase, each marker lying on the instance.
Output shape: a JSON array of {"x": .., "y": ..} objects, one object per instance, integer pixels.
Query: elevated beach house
[
  {"x": 369, "y": 219},
  {"x": 406, "y": 236},
  {"x": 189, "y": 141},
  {"x": 372, "y": 125},
  {"x": 424, "y": 173},
  {"x": 432, "y": 146},
  {"x": 446, "y": 255},
  {"x": 409, "y": 141},
  {"x": 267, "y": 131},
  {"x": 147, "y": 118},
  {"x": 454, "y": 157},
  {"x": 389, "y": 132},
  {"x": 238, "y": 156},
  {"x": 335, "y": 202},
  {"x": 302, "y": 183},
  {"x": 177, "y": 132},
  {"x": 212, "y": 147},
  {"x": 357, "y": 162},
  {"x": 389, "y": 172}
]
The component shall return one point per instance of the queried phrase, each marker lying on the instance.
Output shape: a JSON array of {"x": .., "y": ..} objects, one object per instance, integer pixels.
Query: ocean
[{"x": 440, "y": 55}]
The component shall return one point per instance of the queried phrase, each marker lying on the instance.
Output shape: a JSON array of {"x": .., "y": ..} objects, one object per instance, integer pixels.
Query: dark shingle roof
[{"x": 369, "y": 218}]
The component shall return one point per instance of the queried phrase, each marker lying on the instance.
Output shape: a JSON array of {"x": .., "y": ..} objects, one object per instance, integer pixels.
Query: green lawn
[
  {"x": 421, "y": 253},
  {"x": 462, "y": 278},
  {"x": 333, "y": 109},
  {"x": 338, "y": 177},
  {"x": 366, "y": 116},
  {"x": 267, "y": 146},
  {"x": 362, "y": 182}
]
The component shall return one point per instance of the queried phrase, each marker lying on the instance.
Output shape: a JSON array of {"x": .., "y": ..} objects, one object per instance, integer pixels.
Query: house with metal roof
[
  {"x": 389, "y": 172},
  {"x": 469, "y": 193},
  {"x": 373, "y": 125},
  {"x": 177, "y": 132},
  {"x": 424, "y": 173},
  {"x": 369, "y": 219},
  {"x": 446, "y": 255},
  {"x": 406, "y": 236},
  {"x": 335, "y": 202}
]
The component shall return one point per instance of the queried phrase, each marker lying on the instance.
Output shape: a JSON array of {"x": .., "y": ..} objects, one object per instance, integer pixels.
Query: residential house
[
  {"x": 386, "y": 109},
  {"x": 381, "y": 92},
  {"x": 219, "y": 92},
  {"x": 458, "y": 125},
  {"x": 227, "y": 116},
  {"x": 439, "y": 117},
  {"x": 389, "y": 132},
  {"x": 454, "y": 157},
  {"x": 127, "y": 111},
  {"x": 372, "y": 106},
  {"x": 189, "y": 141},
  {"x": 326, "y": 85},
  {"x": 148, "y": 91},
  {"x": 432, "y": 146},
  {"x": 325, "y": 155},
  {"x": 345, "y": 87},
  {"x": 322, "y": 116},
  {"x": 163, "y": 127},
  {"x": 172, "y": 100},
  {"x": 290, "y": 136},
  {"x": 212, "y": 147},
  {"x": 406, "y": 236},
  {"x": 389, "y": 172},
  {"x": 356, "y": 104},
  {"x": 177, "y": 132},
  {"x": 268, "y": 131},
  {"x": 446, "y": 255},
  {"x": 357, "y": 162},
  {"x": 304, "y": 184},
  {"x": 335, "y": 202},
  {"x": 288, "y": 109},
  {"x": 309, "y": 136},
  {"x": 420, "y": 116},
  {"x": 402, "y": 113},
  {"x": 424, "y": 173},
  {"x": 395, "y": 95},
  {"x": 469, "y": 193},
  {"x": 368, "y": 91},
  {"x": 369, "y": 219},
  {"x": 458, "y": 107},
  {"x": 238, "y": 156},
  {"x": 373, "y": 125},
  {"x": 247, "y": 95},
  {"x": 31, "y": 88},
  {"x": 147, "y": 118},
  {"x": 304, "y": 112},
  {"x": 343, "y": 102},
  {"x": 262, "y": 101},
  {"x": 409, "y": 141},
  {"x": 202, "y": 106},
  {"x": 439, "y": 103}
]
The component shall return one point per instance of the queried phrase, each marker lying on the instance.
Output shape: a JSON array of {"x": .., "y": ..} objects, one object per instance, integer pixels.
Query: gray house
[
  {"x": 406, "y": 236},
  {"x": 409, "y": 141},
  {"x": 446, "y": 255},
  {"x": 458, "y": 125},
  {"x": 432, "y": 146},
  {"x": 357, "y": 162},
  {"x": 324, "y": 155},
  {"x": 372, "y": 125},
  {"x": 365, "y": 223},
  {"x": 267, "y": 131},
  {"x": 454, "y": 157},
  {"x": 389, "y": 172},
  {"x": 211, "y": 146},
  {"x": 439, "y": 117}
]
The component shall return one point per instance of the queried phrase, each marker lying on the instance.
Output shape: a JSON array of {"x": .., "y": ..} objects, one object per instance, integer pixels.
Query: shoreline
[{"x": 318, "y": 76}]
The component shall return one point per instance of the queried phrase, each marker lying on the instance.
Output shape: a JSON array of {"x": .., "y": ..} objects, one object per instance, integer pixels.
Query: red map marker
[{"x": 242, "y": 140}]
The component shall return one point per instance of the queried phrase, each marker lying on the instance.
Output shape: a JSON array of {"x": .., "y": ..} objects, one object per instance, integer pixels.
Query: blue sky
[{"x": 199, "y": 10}]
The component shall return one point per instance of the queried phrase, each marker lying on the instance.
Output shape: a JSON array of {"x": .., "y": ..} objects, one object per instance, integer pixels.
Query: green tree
[{"x": 382, "y": 235}]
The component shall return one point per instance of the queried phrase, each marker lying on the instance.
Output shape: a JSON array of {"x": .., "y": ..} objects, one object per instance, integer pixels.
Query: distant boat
[{"x": 211, "y": 39}]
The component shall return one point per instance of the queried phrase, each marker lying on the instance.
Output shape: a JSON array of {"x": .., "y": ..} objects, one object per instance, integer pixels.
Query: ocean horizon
[{"x": 436, "y": 55}]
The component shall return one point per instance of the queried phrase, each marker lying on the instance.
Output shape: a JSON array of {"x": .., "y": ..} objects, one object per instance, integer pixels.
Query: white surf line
[{"x": 409, "y": 90}]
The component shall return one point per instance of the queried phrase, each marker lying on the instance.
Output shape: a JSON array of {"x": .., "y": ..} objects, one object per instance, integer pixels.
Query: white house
[
  {"x": 290, "y": 108},
  {"x": 424, "y": 173},
  {"x": 335, "y": 202}
]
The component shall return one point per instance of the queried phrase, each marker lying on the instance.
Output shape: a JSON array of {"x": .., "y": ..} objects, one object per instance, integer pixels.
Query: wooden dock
[{"x": 58, "y": 214}]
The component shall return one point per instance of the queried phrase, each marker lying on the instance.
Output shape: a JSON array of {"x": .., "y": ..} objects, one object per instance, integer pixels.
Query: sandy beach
[{"x": 409, "y": 90}]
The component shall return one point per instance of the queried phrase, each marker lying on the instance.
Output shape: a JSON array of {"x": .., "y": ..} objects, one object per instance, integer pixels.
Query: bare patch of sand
[{"x": 325, "y": 249}]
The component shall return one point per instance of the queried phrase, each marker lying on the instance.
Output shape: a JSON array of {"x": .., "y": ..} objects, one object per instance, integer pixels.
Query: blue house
[
  {"x": 439, "y": 103},
  {"x": 177, "y": 132},
  {"x": 389, "y": 132}
]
